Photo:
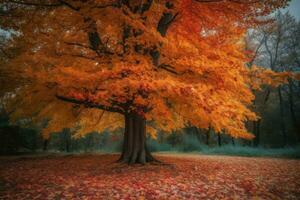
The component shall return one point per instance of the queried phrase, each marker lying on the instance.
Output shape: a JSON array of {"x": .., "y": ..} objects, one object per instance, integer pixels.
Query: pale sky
[{"x": 294, "y": 8}]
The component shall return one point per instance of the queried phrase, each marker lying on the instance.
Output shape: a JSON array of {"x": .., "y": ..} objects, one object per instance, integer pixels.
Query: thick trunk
[{"x": 134, "y": 146}]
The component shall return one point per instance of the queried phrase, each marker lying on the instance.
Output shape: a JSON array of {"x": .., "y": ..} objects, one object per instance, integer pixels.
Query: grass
[
  {"x": 227, "y": 150},
  {"x": 289, "y": 152},
  {"x": 192, "y": 145}
]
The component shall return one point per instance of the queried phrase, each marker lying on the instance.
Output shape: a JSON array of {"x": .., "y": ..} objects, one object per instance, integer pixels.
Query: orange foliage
[{"x": 124, "y": 57}]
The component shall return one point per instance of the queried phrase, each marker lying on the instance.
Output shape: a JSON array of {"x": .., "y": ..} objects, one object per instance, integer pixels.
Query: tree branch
[
  {"x": 30, "y": 3},
  {"x": 89, "y": 104}
]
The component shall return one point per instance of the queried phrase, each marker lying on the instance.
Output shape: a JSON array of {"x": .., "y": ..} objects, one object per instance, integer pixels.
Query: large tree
[{"x": 97, "y": 64}]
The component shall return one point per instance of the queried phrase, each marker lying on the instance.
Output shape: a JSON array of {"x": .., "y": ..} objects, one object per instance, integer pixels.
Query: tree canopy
[{"x": 86, "y": 64}]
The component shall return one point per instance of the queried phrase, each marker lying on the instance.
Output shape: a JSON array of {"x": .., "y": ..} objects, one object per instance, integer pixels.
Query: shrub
[
  {"x": 154, "y": 146},
  {"x": 190, "y": 143}
]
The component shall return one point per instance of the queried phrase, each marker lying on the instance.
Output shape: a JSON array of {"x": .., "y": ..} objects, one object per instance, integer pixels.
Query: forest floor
[{"x": 97, "y": 176}]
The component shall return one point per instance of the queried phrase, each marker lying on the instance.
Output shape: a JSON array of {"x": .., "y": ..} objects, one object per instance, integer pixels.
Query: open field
[{"x": 184, "y": 177}]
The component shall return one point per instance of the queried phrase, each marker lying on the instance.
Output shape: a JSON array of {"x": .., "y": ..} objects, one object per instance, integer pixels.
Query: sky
[{"x": 294, "y": 8}]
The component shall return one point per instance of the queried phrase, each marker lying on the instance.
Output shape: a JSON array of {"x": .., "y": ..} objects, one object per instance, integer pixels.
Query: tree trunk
[
  {"x": 219, "y": 139},
  {"x": 68, "y": 146},
  {"x": 283, "y": 130},
  {"x": 134, "y": 145},
  {"x": 208, "y": 136},
  {"x": 292, "y": 110},
  {"x": 45, "y": 145},
  {"x": 232, "y": 141},
  {"x": 256, "y": 132}
]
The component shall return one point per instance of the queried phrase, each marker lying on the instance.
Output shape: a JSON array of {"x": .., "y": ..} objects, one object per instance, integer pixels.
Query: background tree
[{"x": 275, "y": 47}]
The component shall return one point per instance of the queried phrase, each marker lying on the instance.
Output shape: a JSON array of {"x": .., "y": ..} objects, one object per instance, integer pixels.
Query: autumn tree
[
  {"x": 276, "y": 46},
  {"x": 160, "y": 64}
]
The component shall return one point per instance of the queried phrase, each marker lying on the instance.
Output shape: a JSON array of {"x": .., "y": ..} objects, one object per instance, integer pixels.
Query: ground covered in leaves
[{"x": 186, "y": 177}]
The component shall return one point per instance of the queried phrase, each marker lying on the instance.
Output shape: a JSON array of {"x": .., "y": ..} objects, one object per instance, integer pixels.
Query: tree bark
[{"x": 134, "y": 145}]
